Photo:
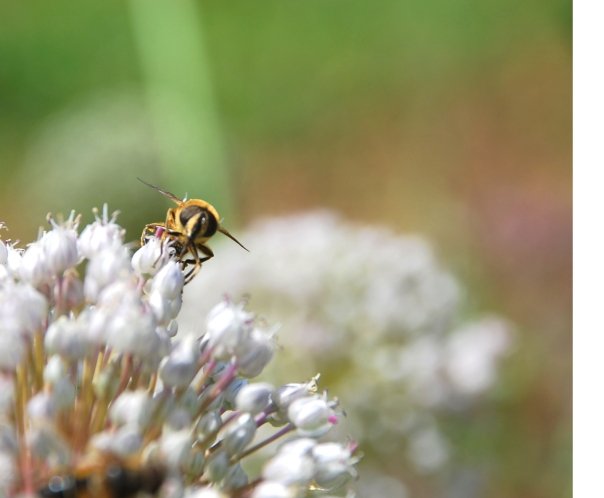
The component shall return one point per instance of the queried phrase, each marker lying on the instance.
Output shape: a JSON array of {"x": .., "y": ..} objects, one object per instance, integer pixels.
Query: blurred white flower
[
  {"x": 471, "y": 354},
  {"x": 374, "y": 311}
]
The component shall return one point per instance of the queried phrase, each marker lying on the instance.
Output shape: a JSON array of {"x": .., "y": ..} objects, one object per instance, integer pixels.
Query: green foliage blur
[{"x": 452, "y": 119}]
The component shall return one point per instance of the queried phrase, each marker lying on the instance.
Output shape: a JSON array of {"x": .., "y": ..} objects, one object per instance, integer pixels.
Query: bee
[
  {"x": 188, "y": 227},
  {"x": 105, "y": 476}
]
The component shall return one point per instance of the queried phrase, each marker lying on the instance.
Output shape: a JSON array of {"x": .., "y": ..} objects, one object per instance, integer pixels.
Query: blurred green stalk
[{"x": 170, "y": 42}]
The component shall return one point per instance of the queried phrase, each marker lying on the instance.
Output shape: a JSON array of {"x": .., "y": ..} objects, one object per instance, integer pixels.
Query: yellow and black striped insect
[
  {"x": 105, "y": 476},
  {"x": 188, "y": 227}
]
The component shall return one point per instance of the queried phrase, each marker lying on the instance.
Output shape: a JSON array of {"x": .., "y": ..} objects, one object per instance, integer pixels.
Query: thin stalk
[{"x": 273, "y": 437}]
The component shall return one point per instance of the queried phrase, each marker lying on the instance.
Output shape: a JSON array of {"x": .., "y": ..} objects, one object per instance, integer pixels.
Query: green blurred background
[{"x": 452, "y": 119}]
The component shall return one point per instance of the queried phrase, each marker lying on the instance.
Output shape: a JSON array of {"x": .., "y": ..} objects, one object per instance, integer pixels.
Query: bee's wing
[{"x": 164, "y": 192}]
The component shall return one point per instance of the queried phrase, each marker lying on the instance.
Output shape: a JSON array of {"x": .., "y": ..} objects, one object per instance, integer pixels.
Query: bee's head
[{"x": 197, "y": 221}]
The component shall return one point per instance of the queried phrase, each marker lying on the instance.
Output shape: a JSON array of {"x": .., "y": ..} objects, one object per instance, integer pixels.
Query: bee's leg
[
  {"x": 206, "y": 250},
  {"x": 197, "y": 260},
  {"x": 196, "y": 266},
  {"x": 146, "y": 231},
  {"x": 150, "y": 229},
  {"x": 192, "y": 250}
]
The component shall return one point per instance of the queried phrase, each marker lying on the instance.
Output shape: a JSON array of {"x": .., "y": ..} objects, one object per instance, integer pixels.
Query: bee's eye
[{"x": 198, "y": 221}]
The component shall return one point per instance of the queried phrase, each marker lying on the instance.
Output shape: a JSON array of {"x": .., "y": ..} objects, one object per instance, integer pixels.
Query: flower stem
[{"x": 284, "y": 430}]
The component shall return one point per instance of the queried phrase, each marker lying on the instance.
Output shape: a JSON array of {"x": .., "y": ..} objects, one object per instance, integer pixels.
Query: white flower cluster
[
  {"x": 376, "y": 313},
  {"x": 92, "y": 377}
]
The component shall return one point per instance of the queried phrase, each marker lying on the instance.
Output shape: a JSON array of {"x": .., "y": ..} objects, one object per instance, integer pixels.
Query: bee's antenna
[
  {"x": 164, "y": 192},
  {"x": 226, "y": 232}
]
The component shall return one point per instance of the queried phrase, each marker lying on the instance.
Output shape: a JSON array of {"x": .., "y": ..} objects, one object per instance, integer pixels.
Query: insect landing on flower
[
  {"x": 105, "y": 476},
  {"x": 188, "y": 227}
]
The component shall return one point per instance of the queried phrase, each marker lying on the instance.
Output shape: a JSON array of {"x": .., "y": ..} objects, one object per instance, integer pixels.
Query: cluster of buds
[{"x": 93, "y": 374}]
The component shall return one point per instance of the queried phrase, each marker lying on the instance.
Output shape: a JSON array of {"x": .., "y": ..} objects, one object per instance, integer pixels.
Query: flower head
[{"x": 90, "y": 369}]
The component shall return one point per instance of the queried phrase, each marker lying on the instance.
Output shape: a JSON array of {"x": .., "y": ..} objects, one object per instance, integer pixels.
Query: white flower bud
[
  {"x": 131, "y": 408},
  {"x": 107, "y": 266},
  {"x": 172, "y": 328},
  {"x": 271, "y": 489},
  {"x": 180, "y": 367},
  {"x": 102, "y": 441},
  {"x": 289, "y": 469},
  {"x": 254, "y": 398},
  {"x": 132, "y": 331},
  {"x": 100, "y": 235},
  {"x": 312, "y": 416},
  {"x": 122, "y": 293},
  {"x": 34, "y": 267},
  {"x": 210, "y": 422},
  {"x": 106, "y": 383},
  {"x": 63, "y": 394},
  {"x": 41, "y": 408},
  {"x": 127, "y": 440},
  {"x": 195, "y": 464},
  {"x": 174, "y": 306},
  {"x": 227, "y": 324},
  {"x": 217, "y": 466},
  {"x": 165, "y": 309},
  {"x": 178, "y": 419},
  {"x": 176, "y": 448},
  {"x": 12, "y": 348},
  {"x": 204, "y": 492},
  {"x": 54, "y": 370},
  {"x": 334, "y": 465},
  {"x": 68, "y": 338},
  {"x": 236, "y": 477},
  {"x": 151, "y": 257},
  {"x": 239, "y": 434},
  {"x": 47, "y": 445},
  {"x": 298, "y": 446},
  {"x": 254, "y": 353},
  {"x": 160, "y": 307},
  {"x": 22, "y": 308},
  {"x": 169, "y": 281},
  {"x": 288, "y": 393},
  {"x": 60, "y": 248}
]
